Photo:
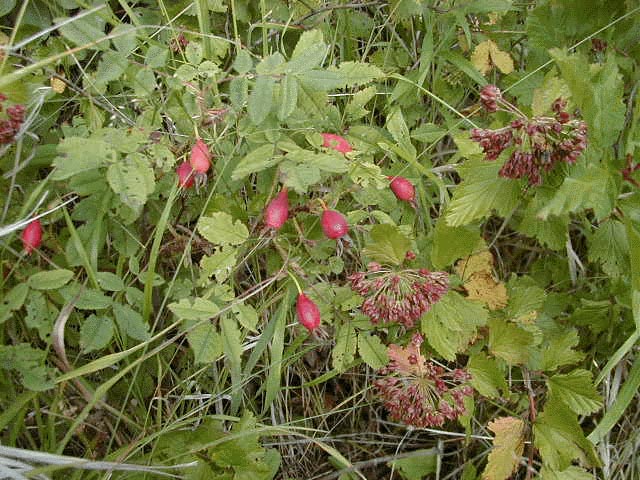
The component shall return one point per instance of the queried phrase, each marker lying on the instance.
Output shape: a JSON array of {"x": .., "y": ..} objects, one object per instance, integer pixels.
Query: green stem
[{"x": 295, "y": 281}]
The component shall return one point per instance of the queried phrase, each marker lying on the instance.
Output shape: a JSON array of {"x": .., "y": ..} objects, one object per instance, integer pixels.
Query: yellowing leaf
[
  {"x": 487, "y": 54},
  {"x": 508, "y": 445},
  {"x": 479, "y": 282},
  {"x": 58, "y": 85},
  {"x": 484, "y": 288}
]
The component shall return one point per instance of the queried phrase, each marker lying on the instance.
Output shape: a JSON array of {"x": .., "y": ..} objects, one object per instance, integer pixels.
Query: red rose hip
[
  {"x": 32, "y": 236},
  {"x": 308, "y": 312},
  {"x": 277, "y": 211},
  {"x": 331, "y": 140},
  {"x": 334, "y": 225},
  {"x": 200, "y": 157},
  {"x": 185, "y": 175},
  {"x": 403, "y": 189}
]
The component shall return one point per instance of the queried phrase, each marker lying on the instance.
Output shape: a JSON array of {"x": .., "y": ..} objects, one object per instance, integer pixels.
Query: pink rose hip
[
  {"x": 334, "y": 225},
  {"x": 277, "y": 211},
  {"x": 32, "y": 236},
  {"x": 308, "y": 312}
]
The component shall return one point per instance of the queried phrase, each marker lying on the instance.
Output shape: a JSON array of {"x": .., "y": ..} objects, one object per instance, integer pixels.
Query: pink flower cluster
[
  {"x": 11, "y": 126},
  {"x": 539, "y": 143},
  {"x": 398, "y": 296},
  {"x": 418, "y": 392}
]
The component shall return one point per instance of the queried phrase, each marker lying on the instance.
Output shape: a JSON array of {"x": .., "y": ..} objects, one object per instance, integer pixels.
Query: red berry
[
  {"x": 277, "y": 211},
  {"x": 331, "y": 140},
  {"x": 185, "y": 175},
  {"x": 403, "y": 189},
  {"x": 200, "y": 157},
  {"x": 308, "y": 313},
  {"x": 32, "y": 236},
  {"x": 334, "y": 225}
]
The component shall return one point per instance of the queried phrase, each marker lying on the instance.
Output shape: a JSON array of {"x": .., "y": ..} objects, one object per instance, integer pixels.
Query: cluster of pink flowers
[
  {"x": 10, "y": 126},
  {"x": 418, "y": 392},
  {"x": 398, "y": 296},
  {"x": 539, "y": 142}
]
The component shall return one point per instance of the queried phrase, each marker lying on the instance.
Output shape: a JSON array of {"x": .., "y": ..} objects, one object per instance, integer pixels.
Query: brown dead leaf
[
  {"x": 486, "y": 289},
  {"x": 508, "y": 445},
  {"x": 486, "y": 55}
]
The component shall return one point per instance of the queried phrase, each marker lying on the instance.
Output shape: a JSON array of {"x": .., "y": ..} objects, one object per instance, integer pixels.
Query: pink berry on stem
[
  {"x": 200, "y": 157},
  {"x": 277, "y": 211},
  {"x": 331, "y": 140},
  {"x": 32, "y": 236},
  {"x": 186, "y": 175},
  {"x": 403, "y": 189},
  {"x": 334, "y": 225},
  {"x": 308, "y": 312}
]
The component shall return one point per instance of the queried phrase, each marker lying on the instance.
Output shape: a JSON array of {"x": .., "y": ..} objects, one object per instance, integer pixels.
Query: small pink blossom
[{"x": 336, "y": 142}]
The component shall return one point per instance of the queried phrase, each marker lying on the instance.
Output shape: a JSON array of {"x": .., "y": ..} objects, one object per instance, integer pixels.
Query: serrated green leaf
[
  {"x": 590, "y": 187},
  {"x": 343, "y": 353},
  {"x": 299, "y": 176},
  {"x": 420, "y": 464},
  {"x": 13, "y": 300},
  {"x": 551, "y": 89},
  {"x": 400, "y": 132},
  {"x": 261, "y": 99},
  {"x": 509, "y": 342},
  {"x": 559, "y": 351},
  {"x": 609, "y": 246},
  {"x": 243, "y": 62},
  {"x": 571, "y": 473},
  {"x": 372, "y": 350},
  {"x": 451, "y": 324},
  {"x": 85, "y": 30},
  {"x": 288, "y": 97},
  {"x": 246, "y": 316},
  {"x": 576, "y": 390},
  {"x": 255, "y": 161},
  {"x": 194, "y": 309},
  {"x": 96, "y": 333},
  {"x": 110, "y": 281},
  {"x": 559, "y": 438},
  {"x": 486, "y": 376},
  {"x": 133, "y": 180},
  {"x": 308, "y": 53},
  {"x": 326, "y": 162},
  {"x": 130, "y": 322},
  {"x": 481, "y": 192},
  {"x": 348, "y": 74},
  {"x": 450, "y": 243},
  {"x": 220, "y": 264},
  {"x": 220, "y": 229},
  {"x": 144, "y": 83},
  {"x": 29, "y": 362},
  {"x": 205, "y": 342},
  {"x": 50, "y": 280},
  {"x": 367, "y": 173},
  {"x": 156, "y": 56},
  {"x": 73, "y": 158},
  {"x": 388, "y": 245},
  {"x": 193, "y": 53},
  {"x": 554, "y": 231}
]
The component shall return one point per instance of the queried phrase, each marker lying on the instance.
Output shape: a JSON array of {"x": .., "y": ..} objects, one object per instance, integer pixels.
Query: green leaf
[
  {"x": 255, "y": 161},
  {"x": 308, "y": 54},
  {"x": 597, "y": 89},
  {"x": 50, "y": 280},
  {"x": 400, "y": 132},
  {"x": 420, "y": 464},
  {"x": 372, "y": 350},
  {"x": 239, "y": 92},
  {"x": 157, "y": 56},
  {"x": 509, "y": 342},
  {"x": 571, "y": 473},
  {"x": 559, "y": 351},
  {"x": 220, "y": 264},
  {"x": 243, "y": 63},
  {"x": 486, "y": 376},
  {"x": 299, "y": 176},
  {"x": 559, "y": 438},
  {"x": 73, "y": 159},
  {"x": 261, "y": 99},
  {"x": 551, "y": 89},
  {"x": 110, "y": 281},
  {"x": 220, "y": 229},
  {"x": 355, "y": 108},
  {"x": 590, "y": 187},
  {"x": 326, "y": 162},
  {"x": 481, "y": 192},
  {"x": 194, "y": 309},
  {"x": 388, "y": 245},
  {"x": 232, "y": 347},
  {"x": 576, "y": 390},
  {"x": 609, "y": 246},
  {"x": 89, "y": 299},
  {"x": 205, "y": 342},
  {"x": 451, "y": 243},
  {"x": 348, "y": 74},
  {"x": 133, "y": 180},
  {"x": 451, "y": 324},
  {"x": 130, "y": 322},
  {"x": 343, "y": 353},
  {"x": 288, "y": 97},
  {"x": 246, "y": 316},
  {"x": 96, "y": 333},
  {"x": 13, "y": 300},
  {"x": 554, "y": 231},
  {"x": 193, "y": 53},
  {"x": 29, "y": 363},
  {"x": 85, "y": 30},
  {"x": 111, "y": 67}
]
